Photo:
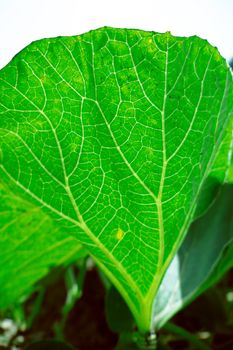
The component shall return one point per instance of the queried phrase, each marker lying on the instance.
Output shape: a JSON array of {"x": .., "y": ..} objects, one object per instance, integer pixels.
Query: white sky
[{"x": 23, "y": 21}]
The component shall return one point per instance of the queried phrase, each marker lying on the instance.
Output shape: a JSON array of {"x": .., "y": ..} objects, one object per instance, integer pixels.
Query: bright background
[{"x": 23, "y": 21}]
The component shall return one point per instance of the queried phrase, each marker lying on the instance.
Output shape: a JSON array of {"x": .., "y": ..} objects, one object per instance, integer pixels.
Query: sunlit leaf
[{"x": 110, "y": 135}]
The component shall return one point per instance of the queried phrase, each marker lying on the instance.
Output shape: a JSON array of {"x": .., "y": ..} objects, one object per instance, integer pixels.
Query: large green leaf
[
  {"x": 111, "y": 135},
  {"x": 201, "y": 255}
]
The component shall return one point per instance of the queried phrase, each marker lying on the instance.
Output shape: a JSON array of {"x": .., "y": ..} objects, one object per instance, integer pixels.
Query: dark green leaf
[
  {"x": 118, "y": 315},
  {"x": 191, "y": 271}
]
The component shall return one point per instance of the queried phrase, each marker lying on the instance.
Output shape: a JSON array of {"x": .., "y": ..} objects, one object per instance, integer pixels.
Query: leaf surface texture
[{"x": 111, "y": 135}]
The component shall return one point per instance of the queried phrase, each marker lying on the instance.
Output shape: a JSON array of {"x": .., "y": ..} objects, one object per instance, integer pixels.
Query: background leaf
[
  {"x": 201, "y": 260},
  {"x": 118, "y": 314}
]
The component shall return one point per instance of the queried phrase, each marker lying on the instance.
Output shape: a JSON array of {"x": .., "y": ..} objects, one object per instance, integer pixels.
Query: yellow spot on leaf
[
  {"x": 120, "y": 234},
  {"x": 150, "y": 151},
  {"x": 73, "y": 147}
]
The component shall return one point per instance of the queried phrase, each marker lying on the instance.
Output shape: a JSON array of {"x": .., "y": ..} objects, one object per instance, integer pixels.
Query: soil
[{"x": 86, "y": 327}]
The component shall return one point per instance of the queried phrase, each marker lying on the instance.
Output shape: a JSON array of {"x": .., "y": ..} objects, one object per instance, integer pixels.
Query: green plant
[{"x": 116, "y": 141}]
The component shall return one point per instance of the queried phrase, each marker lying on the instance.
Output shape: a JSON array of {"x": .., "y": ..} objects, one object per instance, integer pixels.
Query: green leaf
[
  {"x": 30, "y": 245},
  {"x": 223, "y": 265},
  {"x": 118, "y": 316},
  {"x": 111, "y": 136},
  {"x": 195, "y": 266}
]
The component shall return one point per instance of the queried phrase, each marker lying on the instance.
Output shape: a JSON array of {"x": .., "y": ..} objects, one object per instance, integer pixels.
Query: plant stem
[
  {"x": 74, "y": 292},
  {"x": 36, "y": 307},
  {"x": 170, "y": 327},
  {"x": 147, "y": 341}
]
